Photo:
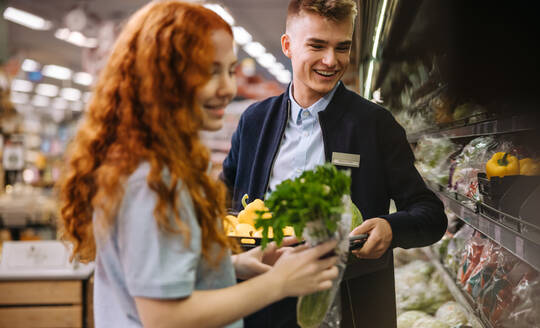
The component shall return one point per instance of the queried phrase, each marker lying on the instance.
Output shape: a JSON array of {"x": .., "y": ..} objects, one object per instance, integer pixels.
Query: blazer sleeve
[{"x": 420, "y": 219}]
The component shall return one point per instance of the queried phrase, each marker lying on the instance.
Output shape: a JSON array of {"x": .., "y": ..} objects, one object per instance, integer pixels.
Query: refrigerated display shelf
[
  {"x": 459, "y": 295},
  {"x": 513, "y": 124},
  {"x": 513, "y": 240}
]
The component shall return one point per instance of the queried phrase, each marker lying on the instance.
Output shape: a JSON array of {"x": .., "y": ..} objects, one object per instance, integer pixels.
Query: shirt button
[{"x": 305, "y": 113}]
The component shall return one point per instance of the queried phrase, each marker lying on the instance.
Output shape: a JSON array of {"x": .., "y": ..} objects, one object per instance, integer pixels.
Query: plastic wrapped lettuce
[
  {"x": 429, "y": 322},
  {"x": 408, "y": 318},
  {"x": 418, "y": 287},
  {"x": 452, "y": 313}
]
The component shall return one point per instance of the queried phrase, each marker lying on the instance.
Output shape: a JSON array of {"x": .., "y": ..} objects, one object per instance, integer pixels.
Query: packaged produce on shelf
[
  {"x": 408, "y": 318},
  {"x": 456, "y": 247},
  {"x": 471, "y": 257},
  {"x": 502, "y": 164},
  {"x": 497, "y": 300},
  {"x": 418, "y": 287},
  {"x": 442, "y": 106},
  {"x": 503, "y": 288},
  {"x": 483, "y": 272},
  {"x": 412, "y": 122},
  {"x": 529, "y": 166},
  {"x": 403, "y": 256},
  {"x": 468, "y": 110},
  {"x": 433, "y": 156},
  {"x": 429, "y": 322},
  {"x": 464, "y": 170},
  {"x": 526, "y": 297},
  {"x": 452, "y": 314}
]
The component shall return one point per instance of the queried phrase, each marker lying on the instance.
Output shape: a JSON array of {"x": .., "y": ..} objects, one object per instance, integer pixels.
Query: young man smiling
[{"x": 319, "y": 120}]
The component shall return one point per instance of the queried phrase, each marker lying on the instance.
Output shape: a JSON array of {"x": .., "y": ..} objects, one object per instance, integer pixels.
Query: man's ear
[{"x": 286, "y": 45}]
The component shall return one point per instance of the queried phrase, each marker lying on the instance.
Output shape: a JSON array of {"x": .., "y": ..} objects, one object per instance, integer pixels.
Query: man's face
[{"x": 319, "y": 49}]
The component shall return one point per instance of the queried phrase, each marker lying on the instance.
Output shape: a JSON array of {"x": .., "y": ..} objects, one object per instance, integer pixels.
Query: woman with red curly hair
[{"x": 136, "y": 196}]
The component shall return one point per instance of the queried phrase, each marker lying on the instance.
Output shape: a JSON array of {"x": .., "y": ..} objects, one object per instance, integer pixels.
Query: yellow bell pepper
[
  {"x": 248, "y": 215},
  {"x": 528, "y": 166},
  {"x": 502, "y": 164}
]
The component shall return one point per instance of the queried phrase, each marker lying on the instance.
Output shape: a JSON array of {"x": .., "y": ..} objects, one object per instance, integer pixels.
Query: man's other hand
[{"x": 380, "y": 237}]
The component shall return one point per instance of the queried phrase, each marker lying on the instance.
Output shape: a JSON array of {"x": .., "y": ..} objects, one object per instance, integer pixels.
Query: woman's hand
[
  {"x": 256, "y": 261},
  {"x": 301, "y": 270}
]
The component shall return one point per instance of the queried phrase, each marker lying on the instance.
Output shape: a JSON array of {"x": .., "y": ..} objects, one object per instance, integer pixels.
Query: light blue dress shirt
[{"x": 302, "y": 145}]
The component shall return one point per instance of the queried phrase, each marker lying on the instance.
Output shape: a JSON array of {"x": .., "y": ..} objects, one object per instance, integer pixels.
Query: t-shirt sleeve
[{"x": 156, "y": 263}]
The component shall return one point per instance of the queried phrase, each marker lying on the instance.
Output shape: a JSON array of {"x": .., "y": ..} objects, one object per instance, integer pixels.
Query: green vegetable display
[{"x": 313, "y": 205}]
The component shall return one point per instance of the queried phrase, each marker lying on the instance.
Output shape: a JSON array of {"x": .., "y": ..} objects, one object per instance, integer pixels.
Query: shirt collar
[{"x": 314, "y": 109}]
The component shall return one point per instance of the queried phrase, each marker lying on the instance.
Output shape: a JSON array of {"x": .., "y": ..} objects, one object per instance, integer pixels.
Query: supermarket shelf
[
  {"x": 522, "y": 246},
  {"x": 459, "y": 295},
  {"x": 464, "y": 129}
]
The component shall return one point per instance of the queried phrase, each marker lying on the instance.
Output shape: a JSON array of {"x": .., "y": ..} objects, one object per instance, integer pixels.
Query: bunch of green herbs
[{"x": 314, "y": 196}]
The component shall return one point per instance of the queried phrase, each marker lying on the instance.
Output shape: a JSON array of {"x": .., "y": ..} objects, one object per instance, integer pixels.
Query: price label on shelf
[
  {"x": 519, "y": 246},
  {"x": 497, "y": 234}
]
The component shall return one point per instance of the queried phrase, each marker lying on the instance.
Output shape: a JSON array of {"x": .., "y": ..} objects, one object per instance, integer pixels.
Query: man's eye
[
  {"x": 343, "y": 49},
  {"x": 316, "y": 46}
]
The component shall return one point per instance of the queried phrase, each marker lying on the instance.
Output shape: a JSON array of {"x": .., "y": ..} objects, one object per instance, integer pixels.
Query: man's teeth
[{"x": 326, "y": 73}]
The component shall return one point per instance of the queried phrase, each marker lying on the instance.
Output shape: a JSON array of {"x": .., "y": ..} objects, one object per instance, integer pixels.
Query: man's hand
[
  {"x": 380, "y": 237},
  {"x": 256, "y": 261}
]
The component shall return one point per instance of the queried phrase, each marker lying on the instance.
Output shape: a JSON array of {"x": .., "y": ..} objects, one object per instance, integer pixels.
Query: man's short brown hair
[{"x": 336, "y": 10}]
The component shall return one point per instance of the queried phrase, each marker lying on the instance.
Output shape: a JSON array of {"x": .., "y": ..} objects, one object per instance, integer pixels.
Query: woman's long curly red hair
[{"x": 143, "y": 110}]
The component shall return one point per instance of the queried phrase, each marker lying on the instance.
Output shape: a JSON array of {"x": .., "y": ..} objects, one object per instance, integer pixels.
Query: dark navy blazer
[
  {"x": 354, "y": 125},
  {"x": 350, "y": 124}
]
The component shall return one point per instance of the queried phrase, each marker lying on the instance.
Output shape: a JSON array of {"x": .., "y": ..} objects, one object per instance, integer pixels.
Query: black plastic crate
[{"x": 492, "y": 190}]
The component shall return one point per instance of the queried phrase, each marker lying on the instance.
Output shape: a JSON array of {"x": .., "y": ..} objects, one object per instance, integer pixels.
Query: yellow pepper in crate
[
  {"x": 248, "y": 215},
  {"x": 243, "y": 225},
  {"x": 502, "y": 164},
  {"x": 528, "y": 166}
]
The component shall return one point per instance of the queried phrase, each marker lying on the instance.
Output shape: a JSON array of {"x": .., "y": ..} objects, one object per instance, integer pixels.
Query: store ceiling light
[
  {"x": 241, "y": 36},
  {"x": 369, "y": 77},
  {"x": 60, "y": 103},
  {"x": 254, "y": 49},
  {"x": 284, "y": 76},
  {"x": 21, "y": 85},
  {"x": 70, "y": 94},
  {"x": 45, "y": 89},
  {"x": 218, "y": 9},
  {"x": 30, "y": 65},
  {"x": 57, "y": 72},
  {"x": 86, "y": 96},
  {"x": 83, "y": 78},
  {"x": 19, "y": 98},
  {"x": 266, "y": 60},
  {"x": 76, "y": 38},
  {"x": 77, "y": 106},
  {"x": 41, "y": 101},
  {"x": 26, "y": 19}
]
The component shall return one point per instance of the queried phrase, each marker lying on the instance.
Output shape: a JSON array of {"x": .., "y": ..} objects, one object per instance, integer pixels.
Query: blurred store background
[{"x": 459, "y": 76}]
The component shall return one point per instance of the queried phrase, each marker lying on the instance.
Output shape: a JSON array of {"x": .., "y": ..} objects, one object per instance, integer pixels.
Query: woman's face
[{"x": 218, "y": 92}]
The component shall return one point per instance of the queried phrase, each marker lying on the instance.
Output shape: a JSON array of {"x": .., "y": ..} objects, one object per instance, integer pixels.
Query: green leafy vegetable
[
  {"x": 315, "y": 196},
  {"x": 357, "y": 218}
]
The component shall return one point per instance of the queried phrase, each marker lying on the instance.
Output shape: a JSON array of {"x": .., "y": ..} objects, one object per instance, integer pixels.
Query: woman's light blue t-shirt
[{"x": 137, "y": 258}]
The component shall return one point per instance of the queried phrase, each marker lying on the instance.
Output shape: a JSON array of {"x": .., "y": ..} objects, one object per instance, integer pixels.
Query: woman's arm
[{"x": 298, "y": 272}]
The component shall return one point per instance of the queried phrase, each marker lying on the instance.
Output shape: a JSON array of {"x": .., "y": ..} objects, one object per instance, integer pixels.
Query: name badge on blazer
[{"x": 345, "y": 159}]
